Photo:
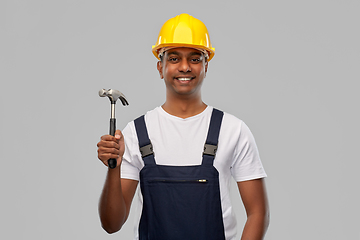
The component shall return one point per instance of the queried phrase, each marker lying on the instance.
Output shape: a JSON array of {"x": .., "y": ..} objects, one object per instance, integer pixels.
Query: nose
[{"x": 184, "y": 66}]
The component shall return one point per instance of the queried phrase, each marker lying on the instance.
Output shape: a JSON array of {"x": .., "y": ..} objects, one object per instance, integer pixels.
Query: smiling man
[{"x": 184, "y": 155}]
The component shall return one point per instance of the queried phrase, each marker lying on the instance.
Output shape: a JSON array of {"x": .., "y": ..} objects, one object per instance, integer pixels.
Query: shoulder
[
  {"x": 231, "y": 120},
  {"x": 234, "y": 128},
  {"x": 231, "y": 123},
  {"x": 151, "y": 115}
]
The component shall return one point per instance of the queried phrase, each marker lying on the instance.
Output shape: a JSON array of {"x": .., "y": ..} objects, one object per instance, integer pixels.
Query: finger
[
  {"x": 115, "y": 154},
  {"x": 109, "y": 151},
  {"x": 108, "y": 144},
  {"x": 108, "y": 138},
  {"x": 104, "y": 157}
]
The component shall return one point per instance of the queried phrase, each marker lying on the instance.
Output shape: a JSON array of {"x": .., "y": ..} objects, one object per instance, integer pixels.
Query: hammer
[{"x": 113, "y": 95}]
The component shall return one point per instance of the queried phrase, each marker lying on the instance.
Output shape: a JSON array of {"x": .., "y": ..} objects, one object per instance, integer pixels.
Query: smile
[{"x": 184, "y": 78}]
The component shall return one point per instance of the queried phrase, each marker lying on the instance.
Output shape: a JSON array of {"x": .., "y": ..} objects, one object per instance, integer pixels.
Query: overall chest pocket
[{"x": 179, "y": 198}]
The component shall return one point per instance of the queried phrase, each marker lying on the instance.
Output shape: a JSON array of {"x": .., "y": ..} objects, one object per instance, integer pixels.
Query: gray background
[{"x": 289, "y": 69}]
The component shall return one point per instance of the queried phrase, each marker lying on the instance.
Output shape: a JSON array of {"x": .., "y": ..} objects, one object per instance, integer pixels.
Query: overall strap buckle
[
  {"x": 146, "y": 150},
  {"x": 210, "y": 149}
]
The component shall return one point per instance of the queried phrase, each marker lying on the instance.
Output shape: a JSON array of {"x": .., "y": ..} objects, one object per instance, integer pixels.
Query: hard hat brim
[{"x": 156, "y": 49}]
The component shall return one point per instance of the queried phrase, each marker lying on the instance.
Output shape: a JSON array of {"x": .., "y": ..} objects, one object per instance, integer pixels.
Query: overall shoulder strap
[
  {"x": 212, "y": 139},
  {"x": 145, "y": 145}
]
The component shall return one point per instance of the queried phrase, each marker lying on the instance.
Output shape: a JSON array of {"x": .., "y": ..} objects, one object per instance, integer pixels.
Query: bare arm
[
  {"x": 254, "y": 197},
  {"x": 117, "y": 194}
]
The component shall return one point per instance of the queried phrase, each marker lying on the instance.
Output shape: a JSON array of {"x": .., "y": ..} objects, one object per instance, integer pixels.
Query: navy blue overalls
[{"x": 180, "y": 202}]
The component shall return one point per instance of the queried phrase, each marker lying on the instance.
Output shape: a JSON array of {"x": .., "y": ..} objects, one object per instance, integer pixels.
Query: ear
[
  {"x": 206, "y": 66},
  {"x": 160, "y": 69}
]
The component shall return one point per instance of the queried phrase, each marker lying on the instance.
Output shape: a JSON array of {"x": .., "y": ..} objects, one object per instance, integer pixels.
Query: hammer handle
[{"x": 112, "y": 161}]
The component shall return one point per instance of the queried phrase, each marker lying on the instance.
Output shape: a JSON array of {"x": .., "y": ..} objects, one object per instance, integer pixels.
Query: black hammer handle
[{"x": 112, "y": 161}]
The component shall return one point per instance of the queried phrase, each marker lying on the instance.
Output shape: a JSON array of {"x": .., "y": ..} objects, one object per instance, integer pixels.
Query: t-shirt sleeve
[
  {"x": 131, "y": 164},
  {"x": 247, "y": 164}
]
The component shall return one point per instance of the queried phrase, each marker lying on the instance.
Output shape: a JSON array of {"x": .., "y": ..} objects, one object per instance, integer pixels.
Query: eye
[
  {"x": 173, "y": 59},
  {"x": 195, "y": 60}
]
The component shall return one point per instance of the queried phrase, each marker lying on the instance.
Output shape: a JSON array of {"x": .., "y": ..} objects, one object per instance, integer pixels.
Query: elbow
[
  {"x": 110, "y": 229},
  {"x": 110, "y": 223},
  {"x": 111, "y": 226}
]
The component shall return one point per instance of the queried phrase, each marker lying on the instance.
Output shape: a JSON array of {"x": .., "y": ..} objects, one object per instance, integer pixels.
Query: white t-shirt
[{"x": 180, "y": 142}]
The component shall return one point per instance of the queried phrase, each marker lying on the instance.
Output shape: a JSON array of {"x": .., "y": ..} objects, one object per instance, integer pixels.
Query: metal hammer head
[{"x": 113, "y": 95}]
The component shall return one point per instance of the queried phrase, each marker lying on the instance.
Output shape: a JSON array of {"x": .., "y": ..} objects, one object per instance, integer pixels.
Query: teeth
[{"x": 184, "y": 79}]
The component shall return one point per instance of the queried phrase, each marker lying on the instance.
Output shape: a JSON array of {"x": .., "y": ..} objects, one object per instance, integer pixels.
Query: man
[{"x": 184, "y": 154}]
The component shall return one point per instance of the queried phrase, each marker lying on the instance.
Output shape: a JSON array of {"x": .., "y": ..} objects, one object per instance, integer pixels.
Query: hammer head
[{"x": 113, "y": 95}]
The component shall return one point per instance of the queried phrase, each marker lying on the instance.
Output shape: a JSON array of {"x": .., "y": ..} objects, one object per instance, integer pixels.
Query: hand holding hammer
[{"x": 111, "y": 147}]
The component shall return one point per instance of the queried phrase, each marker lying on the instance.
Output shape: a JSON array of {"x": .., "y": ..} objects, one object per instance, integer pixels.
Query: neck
[{"x": 184, "y": 108}]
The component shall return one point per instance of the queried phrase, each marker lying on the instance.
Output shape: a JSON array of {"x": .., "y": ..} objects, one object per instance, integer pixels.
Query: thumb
[
  {"x": 118, "y": 134},
  {"x": 120, "y": 139}
]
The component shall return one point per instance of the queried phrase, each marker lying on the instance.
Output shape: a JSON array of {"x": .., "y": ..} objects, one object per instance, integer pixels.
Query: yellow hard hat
[{"x": 184, "y": 31}]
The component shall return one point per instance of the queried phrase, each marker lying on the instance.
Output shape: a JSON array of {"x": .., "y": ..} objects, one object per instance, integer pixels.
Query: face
[{"x": 183, "y": 70}]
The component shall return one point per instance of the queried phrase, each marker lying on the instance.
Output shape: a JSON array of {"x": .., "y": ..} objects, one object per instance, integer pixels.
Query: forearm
[
  {"x": 255, "y": 227},
  {"x": 112, "y": 207}
]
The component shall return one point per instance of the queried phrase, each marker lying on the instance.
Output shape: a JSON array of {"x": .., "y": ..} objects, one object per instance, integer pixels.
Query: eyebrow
[{"x": 191, "y": 54}]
